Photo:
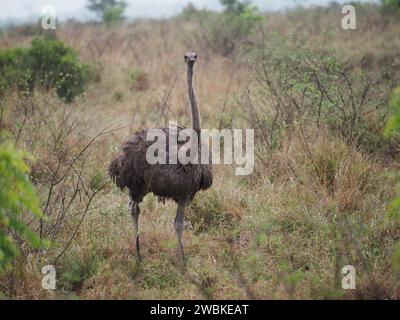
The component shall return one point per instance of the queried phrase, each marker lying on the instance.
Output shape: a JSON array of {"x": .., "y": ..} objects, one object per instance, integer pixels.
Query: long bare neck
[{"x": 192, "y": 99}]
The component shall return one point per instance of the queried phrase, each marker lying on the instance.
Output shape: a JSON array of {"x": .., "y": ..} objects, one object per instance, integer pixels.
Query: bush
[
  {"x": 209, "y": 210},
  {"x": 110, "y": 11},
  {"x": 189, "y": 11},
  {"x": 391, "y": 6},
  {"x": 113, "y": 16},
  {"x": 14, "y": 73},
  {"x": 224, "y": 32},
  {"x": 393, "y": 125},
  {"x": 138, "y": 80},
  {"x": 303, "y": 85},
  {"x": 79, "y": 266},
  {"x": 17, "y": 194},
  {"x": 393, "y": 128},
  {"x": 48, "y": 64}
]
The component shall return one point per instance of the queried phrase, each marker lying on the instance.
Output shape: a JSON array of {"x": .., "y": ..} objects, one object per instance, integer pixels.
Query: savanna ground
[{"x": 317, "y": 200}]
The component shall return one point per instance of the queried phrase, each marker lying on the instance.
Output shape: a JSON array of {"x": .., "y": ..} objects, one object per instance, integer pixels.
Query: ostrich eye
[{"x": 195, "y": 56}]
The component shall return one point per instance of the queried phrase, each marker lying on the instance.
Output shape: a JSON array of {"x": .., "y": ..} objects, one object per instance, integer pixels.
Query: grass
[{"x": 312, "y": 206}]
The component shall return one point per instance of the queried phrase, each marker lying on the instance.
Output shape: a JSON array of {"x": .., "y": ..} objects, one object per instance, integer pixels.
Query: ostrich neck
[{"x": 192, "y": 99}]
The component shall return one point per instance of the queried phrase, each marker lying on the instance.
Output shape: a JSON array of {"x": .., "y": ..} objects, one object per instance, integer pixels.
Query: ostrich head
[{"x": 190, "y": 57}]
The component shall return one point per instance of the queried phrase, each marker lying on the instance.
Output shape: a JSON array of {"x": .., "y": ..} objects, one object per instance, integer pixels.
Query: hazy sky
[{"x": 22, "y": 10}]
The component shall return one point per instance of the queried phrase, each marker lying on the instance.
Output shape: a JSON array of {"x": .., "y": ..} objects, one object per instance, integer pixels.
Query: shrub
[
  {"x": 62, "y": 168},
  {"x": 390, "y": 6},
  {"x": 113, "y": 16},
  {"x": 189, "y": 11},
  {"x": 17, "y": 194},
  {"x": 209, "y": 210},
  {"x": 79, "y": 266},
  {"x": 224, "y": 32},
  {"x": 303, "y": 85},
  {"x": 14, "y": 72},
  {"x": 48, "y": 64},
  {"x": 393, "y": 129},
  {"x": 138, "y": 80},
  {"x": 393, "y": 125},
  {"x": 110, "y": 11}
]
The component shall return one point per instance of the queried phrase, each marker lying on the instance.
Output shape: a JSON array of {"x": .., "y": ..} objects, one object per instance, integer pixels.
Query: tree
[
  {"x": 189, "y": 11},
  {"x": 110, "y": 11},
  {"x": 235, "y": 6}
]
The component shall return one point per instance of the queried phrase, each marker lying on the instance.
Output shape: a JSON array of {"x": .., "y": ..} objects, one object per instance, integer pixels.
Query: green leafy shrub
[
  {"x": 393, "y": 129},
  {"x": 393, "y": 125},
  {"x": 14, "y": 73},
  {"x": 17, "y": 194},
  {"x": 48, "y": 64}
]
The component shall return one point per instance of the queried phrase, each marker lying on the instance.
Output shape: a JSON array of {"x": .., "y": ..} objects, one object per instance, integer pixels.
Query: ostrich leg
[
  {"x": 135, "y": 211},
  {"x": 179, "y": 224}
]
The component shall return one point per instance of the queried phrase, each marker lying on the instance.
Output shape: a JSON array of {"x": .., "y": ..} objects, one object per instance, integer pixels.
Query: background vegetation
[
  {"x": 327, "y": 163},
  {"x": 47, "y": 64},
  {"x": 109, "y": 11}
]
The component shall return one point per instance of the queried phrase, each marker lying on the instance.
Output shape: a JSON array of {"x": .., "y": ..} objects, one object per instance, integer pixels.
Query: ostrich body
[{"x": 130, "y": 169}]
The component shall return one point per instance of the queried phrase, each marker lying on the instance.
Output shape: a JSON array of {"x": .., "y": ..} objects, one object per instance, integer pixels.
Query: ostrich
[{"x": 178, "y": 182}]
